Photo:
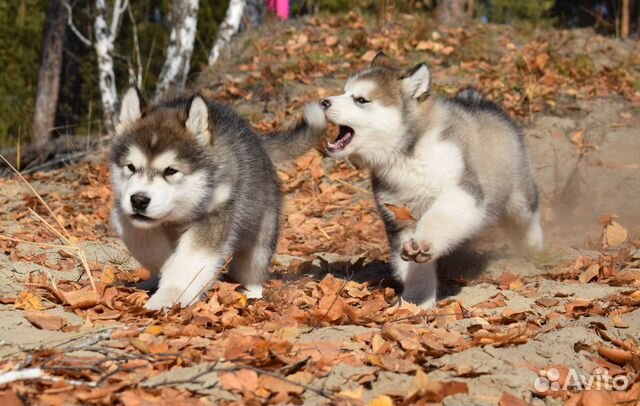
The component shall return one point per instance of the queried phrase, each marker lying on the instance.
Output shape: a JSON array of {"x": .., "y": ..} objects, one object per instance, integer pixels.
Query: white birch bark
[
  {"x": 228, "y": 28},
  {"x": 105, "y": 36},
  {"x": 181, "y": 40},
  {"x": 104, "y": 51}
]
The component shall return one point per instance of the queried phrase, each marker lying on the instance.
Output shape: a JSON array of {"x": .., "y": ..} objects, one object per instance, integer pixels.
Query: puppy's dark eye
[
  {"x": 131, "y": 167},
  {"x": 362, "y": 100},
  {"x": 169, "y": 171}
]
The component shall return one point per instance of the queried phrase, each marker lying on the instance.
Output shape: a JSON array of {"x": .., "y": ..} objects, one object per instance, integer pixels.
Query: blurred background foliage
[
  {"x": 21, "y": 28},
  {"x": 22, "y": 21}
]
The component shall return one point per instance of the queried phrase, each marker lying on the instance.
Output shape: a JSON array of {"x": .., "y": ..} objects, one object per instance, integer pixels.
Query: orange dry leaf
[
  {"x": 581, "y": 304},
  {"x": 547, "y": 302},
  {"x": 46, "y": 321},
  {"x": 244, "y": 380},
  {"x": 614, "y": 234},
  {"x": 355, "y": 394},
  {"x": 541, "y": 60},
  {"x": 619, "y": 323},
  {"x": 615, "y": 355},
  {"x": 590, "y": 273},
  {"x": 27, "y": 300},
  {"x": 382, "y": 400},
  {"x": 10, "y": 398},
  {"x": 108, "y": 276},
  {"x": 508, "y": 399},
  {"x": 401, "y": 213},
  {"x": 423, "y": 387},
  {"x": 510, "y": 281},
  {"x": 81, "y": 299}
]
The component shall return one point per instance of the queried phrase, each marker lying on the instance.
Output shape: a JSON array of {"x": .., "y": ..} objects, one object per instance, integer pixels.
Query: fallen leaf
[
  {"x": 547, "y": 302},
  {"x": 382, "y": 400},
  {"x": 615, "y": 234},
  {"x": 108, "y": 276},
  {"x": 244, "y": 380},
  {"x": 615, "y": 355},
  {"x": 82, "y": 298},
  {"x": 590, "y": 273},
  {"x": 139, "y": 345},
  {"x": 541, "y": 60},
  {"x": 508, "y": 399},
  {"x": 401, "y": 213},
  {"x": 277, "y": 385},
  {"x": 141, "y": 274},
  {"x": 27, "y": 300},
  {"x": 618, "y": 322},
  {"x": 46, "y": 321},
  {"x": 331, "y": 40},
  {"x": 158, "y": 347},
  {"x": 9, "y": 398},
  {"x": 423, "y": 387},
  {"x": 355, "y": 394},
  {"x": 576, "y": 138},
  {"x": 155, "y": 330},
  {"x": 369, "y": 55}
]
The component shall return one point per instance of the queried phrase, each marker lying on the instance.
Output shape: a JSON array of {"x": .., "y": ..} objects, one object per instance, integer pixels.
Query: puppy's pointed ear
[
  {"x": 130, "y": 109},
  {"x": 381, "y": 59},
  {"x": 198, "y": 120},
  {"x": 416, "y": 81}
]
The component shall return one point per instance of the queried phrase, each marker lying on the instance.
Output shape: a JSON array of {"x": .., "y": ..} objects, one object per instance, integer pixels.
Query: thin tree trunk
[
  {"x": 104, "y": 51},
  {"x": 49, "y": 75},
  {"x": 181, "y": 40},
  {"x": 228, "y": 28},
  {"x": 451, "y": 12},
  {"x": 624, "y": 24}
]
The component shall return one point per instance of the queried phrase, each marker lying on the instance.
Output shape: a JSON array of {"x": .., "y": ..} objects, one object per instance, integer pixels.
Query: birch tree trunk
[
  {"x": 104, "y": 51},
  {"x": 49, "y": 75},
  {"x": 451, "y": 12},
  {"x": 228, "y": 28},
  {"x": 181, "y": 40},
  {"x": 105, "y": 36}
]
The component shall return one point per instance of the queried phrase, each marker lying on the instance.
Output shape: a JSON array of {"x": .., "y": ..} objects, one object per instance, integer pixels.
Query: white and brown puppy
[
  {"x": 459, "y": 164},
  {"x": 193, "y": 184}
]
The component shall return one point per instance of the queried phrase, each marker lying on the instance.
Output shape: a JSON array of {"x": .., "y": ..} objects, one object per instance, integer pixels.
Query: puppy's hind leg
[
  {"x": 251, "y": 263},
  {"x": 524, "y": 215}
]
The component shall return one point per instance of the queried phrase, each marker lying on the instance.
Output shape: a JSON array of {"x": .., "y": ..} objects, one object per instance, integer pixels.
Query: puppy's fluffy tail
[
  {"x": 289, "y": 144},
  {"x": 470, "y": 96}
]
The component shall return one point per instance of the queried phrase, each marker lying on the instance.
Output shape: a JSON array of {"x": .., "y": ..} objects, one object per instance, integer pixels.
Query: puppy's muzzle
[
  {"x": 140, "y": 202},
  {"x": 325, "y": 103}
]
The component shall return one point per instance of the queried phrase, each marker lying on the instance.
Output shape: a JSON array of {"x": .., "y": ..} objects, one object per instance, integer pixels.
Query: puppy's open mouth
[
  {"x": 344, "y": 138},
  {"x": 142, "y": 217}
]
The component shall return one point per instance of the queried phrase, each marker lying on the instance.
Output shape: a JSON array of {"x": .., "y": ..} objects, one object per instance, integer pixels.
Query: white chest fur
[
  {"x": 434, "y": 166},
  {"x": 150, "y": 247}
]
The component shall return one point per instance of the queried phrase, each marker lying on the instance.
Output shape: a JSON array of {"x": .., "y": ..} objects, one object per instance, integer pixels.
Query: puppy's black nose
[
  {"x": 325, "y": 103},
  {"x": 139, "y": 202}
]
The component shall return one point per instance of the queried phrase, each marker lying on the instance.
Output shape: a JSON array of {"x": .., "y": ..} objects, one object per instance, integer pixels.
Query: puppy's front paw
[
  {"x": 417, "y": 251},
  {"x": 163, "y": 298}
]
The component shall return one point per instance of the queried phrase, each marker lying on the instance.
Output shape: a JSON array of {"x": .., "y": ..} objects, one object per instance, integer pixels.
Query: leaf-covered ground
[{"x": 329, "y": 329}]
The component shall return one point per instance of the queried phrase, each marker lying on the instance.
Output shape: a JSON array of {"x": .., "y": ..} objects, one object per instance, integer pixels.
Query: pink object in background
[{"x": 281, "y": 7}]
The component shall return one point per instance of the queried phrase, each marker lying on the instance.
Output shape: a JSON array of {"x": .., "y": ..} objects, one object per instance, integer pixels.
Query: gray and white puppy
[
  {"x": 458, "y": 164},
  {"x": 193, "y": 184}
]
